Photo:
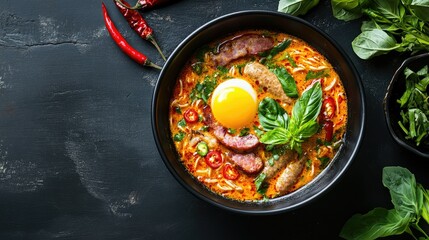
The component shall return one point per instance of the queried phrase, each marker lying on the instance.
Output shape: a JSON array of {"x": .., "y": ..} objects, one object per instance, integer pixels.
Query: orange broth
[{"x": 299, "y": 59}]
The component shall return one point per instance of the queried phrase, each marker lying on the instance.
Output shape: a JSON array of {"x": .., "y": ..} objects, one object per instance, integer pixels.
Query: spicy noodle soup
[{"x": 257, "y": 114}]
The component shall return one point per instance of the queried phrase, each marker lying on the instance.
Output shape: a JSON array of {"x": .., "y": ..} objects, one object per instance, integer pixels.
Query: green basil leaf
[
  {"x": 425, "y": 207},
  {"x": 271, "y": 114},
  {"x": 308, "y": 106},
  {"x": 279, "y": 48},
  {"x": 392, "y": 9},
  {"x": 346, "y": 10},
  {"x": 296, "y": 7},
  {"x": 287, "y": 81},
  {"x": 402, "y": 186},
  {"x": 276, "y": 136},
  {"x": 373, "y": 43},
  {"x": 420, "y": 9},
  {"x": 377, "y": 223},
  {"x": 307, "y": 129}
]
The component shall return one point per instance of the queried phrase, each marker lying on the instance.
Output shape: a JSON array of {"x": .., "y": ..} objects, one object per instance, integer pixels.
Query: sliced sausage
[
  {"x": 271, "y": 170},
  {"x": 290, "y": 175},
  {"x": 239, "y": 144},
  {"x": 234, "y": 142},
  {"x": 267, "y": 79},
  {"x": 240, "y": 46},
  {"x": 249, "y": 163}
]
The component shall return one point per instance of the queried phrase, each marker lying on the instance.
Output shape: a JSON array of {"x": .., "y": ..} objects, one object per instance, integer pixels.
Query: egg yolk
[{"x": 234, "y": 103}]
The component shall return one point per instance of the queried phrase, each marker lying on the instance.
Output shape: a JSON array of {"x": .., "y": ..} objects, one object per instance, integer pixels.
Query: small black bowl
[
  {"x": 244, "y": 20},
  {"x": 391, "y": 107}
]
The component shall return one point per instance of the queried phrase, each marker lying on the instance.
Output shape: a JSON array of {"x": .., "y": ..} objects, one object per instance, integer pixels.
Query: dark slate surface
[{"x": 77, "y": 155}]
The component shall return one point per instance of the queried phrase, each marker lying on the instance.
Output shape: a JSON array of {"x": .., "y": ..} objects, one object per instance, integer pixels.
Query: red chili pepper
[
  {"x": 123, "y": 44},
  {"x": 191, "y": 116},
  {"x": 328, "y": 108},
  {"x": 147, "y": 4},
  {"x": 137, "y": 22},
  {"x": 229, "y": 172},
  {"x": 214, "y": 159},
  {"x": 328, "y": 126}
]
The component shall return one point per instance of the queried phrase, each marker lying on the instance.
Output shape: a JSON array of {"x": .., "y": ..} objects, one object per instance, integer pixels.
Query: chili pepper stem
[
  {"x": 151, "y": 64},
  {"x": 135, "y": 7},
  {"x": 151, "y": 39}
]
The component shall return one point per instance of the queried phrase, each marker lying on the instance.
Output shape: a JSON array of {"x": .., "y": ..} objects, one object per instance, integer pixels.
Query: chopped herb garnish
[
  {"x": 232, "y": 130},
  {"x": 197, "y": 68},
  {"x": 308, "y": 163},
  {"x": 317, "y": 74},
  {"x": 271, "y": 160},
  {"x": 204, "y": 128},
  {"x": 203, "y": 90},
  {"x": 240, "y": 68},
  {"x": 258, "y": 131},
  {"x": 178, "y": 110},
  {"x": 324, "y": 161},
  {"x": 244, "y": 132},
  {"x": 179, "y": 136},
  {"x": 202, "y": 51},
  {"x": 222, "y": 69},
  {"x": 182, "y": 123}
]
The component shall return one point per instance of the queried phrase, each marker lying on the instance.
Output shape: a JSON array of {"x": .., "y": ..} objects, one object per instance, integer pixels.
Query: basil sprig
[
  {"x": 394, "y": 25},
  {"x": 410, "y": 201},
  {"x": 300, "y": 126}
]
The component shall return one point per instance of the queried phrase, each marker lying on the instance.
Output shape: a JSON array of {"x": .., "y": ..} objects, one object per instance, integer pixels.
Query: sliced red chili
[
  {"x": 328, "y": 108},
  {"x": 229, "y": 172},
  {"x": 191, "y": 116},
  {"x": 328, "y": 126},
  {"x": 214, "y": 159}
]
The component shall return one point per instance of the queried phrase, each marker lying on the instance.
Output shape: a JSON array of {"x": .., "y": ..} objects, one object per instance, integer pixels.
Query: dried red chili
[
  {"x": 123, "y": 44},
  {"x": 137, "y": 22},
  {"x": 147, "y": 4}
]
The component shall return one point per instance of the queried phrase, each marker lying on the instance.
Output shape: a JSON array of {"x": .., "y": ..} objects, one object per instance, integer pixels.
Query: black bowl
[
  {"x": 259, "y": 20},
  {"x": 392, "y": 109}
]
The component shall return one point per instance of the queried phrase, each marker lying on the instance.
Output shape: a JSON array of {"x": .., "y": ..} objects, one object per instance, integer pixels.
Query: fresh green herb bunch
[
  {"x": 393, "y": 25},
  {"x": 293, "y": 130},
  {"x": 411, "y": 204},
  {"x": 415, "y": 105}
]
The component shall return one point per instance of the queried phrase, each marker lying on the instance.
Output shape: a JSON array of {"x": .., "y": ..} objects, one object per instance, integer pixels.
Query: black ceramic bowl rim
[
  {"x": 263, "y": 20},
  {"x": 398, "y": 76}
]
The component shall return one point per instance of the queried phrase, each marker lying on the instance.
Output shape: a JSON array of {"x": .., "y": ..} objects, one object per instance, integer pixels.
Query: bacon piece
[{"x": 240, "y": 46}]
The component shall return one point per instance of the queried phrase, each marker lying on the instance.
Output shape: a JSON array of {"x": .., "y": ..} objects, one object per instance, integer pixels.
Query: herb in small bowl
[{"x": 406, "y": 105}]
